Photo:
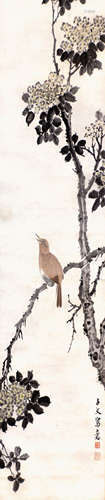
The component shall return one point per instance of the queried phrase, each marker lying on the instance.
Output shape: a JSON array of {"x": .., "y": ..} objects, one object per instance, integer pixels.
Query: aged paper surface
[{"x": 39, "y": 195}]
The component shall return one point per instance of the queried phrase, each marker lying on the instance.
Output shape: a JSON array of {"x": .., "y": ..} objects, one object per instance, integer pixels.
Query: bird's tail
[{"x": 59, "y": 295}]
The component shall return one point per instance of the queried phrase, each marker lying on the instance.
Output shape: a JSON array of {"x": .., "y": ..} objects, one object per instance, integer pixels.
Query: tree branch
[
  {"x": 54, "y": 20},
  {"x": 69, "y": 75},
  {"x": 90, "y": 184},
  {"x": 35, "y": 296},
  {"x": 97, "y": 278}
]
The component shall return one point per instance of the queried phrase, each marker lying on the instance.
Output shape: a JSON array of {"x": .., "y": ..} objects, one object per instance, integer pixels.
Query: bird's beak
[{"x": 37, "y": 237}]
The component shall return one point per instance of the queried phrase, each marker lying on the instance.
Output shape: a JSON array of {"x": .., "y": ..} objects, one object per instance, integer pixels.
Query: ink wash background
[{"x": 38, "y": 194}]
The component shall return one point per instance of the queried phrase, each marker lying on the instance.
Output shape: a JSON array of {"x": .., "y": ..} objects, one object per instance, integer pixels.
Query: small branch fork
[
  {"x": 72, "y": 320},
  {"x": 97, "y": 160}
]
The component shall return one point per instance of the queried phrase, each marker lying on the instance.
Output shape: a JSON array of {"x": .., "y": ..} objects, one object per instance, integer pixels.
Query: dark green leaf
[
  {"x": 25, "y": 97},
  {"x": 84, "y": 58},
  {"x": 34, "y": 384},
  {"x": 16, "y": 485},
  {"x": 17, "y": 451},
  {"x": 25, "y": 422},
  {"x": 11, "y": 421},
  {"x": 96, "y": 204},
  {"x": 24, "y": 456},
  {"x": 50, "y": 137},
  {"x": 61, "y": 2},
  {"x": 2, "y": 464},
  {"x": 43, "y": 116},
  {"x": 68, "y": 157},
  {"x": 67, "y": 5},
  {"x": 30, "y": 117},
  {"x": 28, "y": 387},
  {"x": 90, "y": 67},
  {"x": 59, "y": 52},
  {"x": 55, "y": 109},
  {"x": 30, "y": 418},
  {"x": 100, "y": 46},
  {"x": 103, "y": 153},
  {"x": 55, "y": 140},
  {"x": 40, "y": 139},
  {"x": 10, "y": 478},
  {"x": 93, "y": 194},
  {"x": 37, "y": 409},
  {"x": 24, "y": 381},
  {"x": 35, "y": 396},
  {"x": 102, "y": 38},
  {"x": 45, "y": 127},
  {"x": 19, "y": 376},
  {"x": 20, "y": 417},
  {"x": 38, "y": 130},
  {"x": 82, "y": 70},
  {"x": 69, "y": 97},
  {"x": 45, "y": 1},
  {"x": 99, "y": 181},
  {"x": 76, "y": 59},
  {"x": 97, "y": 64},
  {"x": 74, "y": 90},
  {"x": 4, "y": 426},
  {"x": 58, "y": 130},
  {"x": 64, "y": 150},
  {"x": 74, "y": 138},
  {"x": 91, "y": 54},
  {"x": 57, "y": 122},
  {"x": 92, "y": 46},
  {"x": 82, "y": 143},
  {"x": 67, "y": 107},
  {"x": 25, "y": 111},
  {"x": 44, "y": 401},
  {"x": 78, "y": 150},
  {"x": 62, "y": 11},
  {"x": 103, "y": 202},
  {"x": 46, "y": 137},
  {"x": 17, "y": 464},
  {"x": 102, "y": 191},
  {"x": 29, "y": 406},
  {"x": 12, "y": 379},
  {"x": 64, "y": 56},
  {"x": 71, "y": 54}
]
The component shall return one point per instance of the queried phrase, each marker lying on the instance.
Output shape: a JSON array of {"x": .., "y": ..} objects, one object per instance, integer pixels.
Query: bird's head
[{"x": 43, "y": 244}]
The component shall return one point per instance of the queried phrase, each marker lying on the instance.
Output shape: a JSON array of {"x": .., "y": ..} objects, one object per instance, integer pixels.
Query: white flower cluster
[
  {"x": 96, "y": 128},
  {"x": 41, "y": 96},
  {"x": 13, "y": 397},
  {"x": 82, "y": 32}
]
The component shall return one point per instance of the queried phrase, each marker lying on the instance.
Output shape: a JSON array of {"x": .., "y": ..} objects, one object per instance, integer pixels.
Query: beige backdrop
[{"x": 38, "y": 194}]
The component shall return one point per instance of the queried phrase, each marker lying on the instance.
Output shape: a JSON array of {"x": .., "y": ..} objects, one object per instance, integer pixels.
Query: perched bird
[{"x": 50, "y": 267}]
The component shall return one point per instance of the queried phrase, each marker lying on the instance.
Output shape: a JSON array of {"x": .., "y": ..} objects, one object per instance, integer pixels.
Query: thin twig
[
  {"x": 74, "y": 71},
  {"x": 71, "y": 320},
  {"x": 97, "y": 278},
  {"x": 88, "y": 151}
]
